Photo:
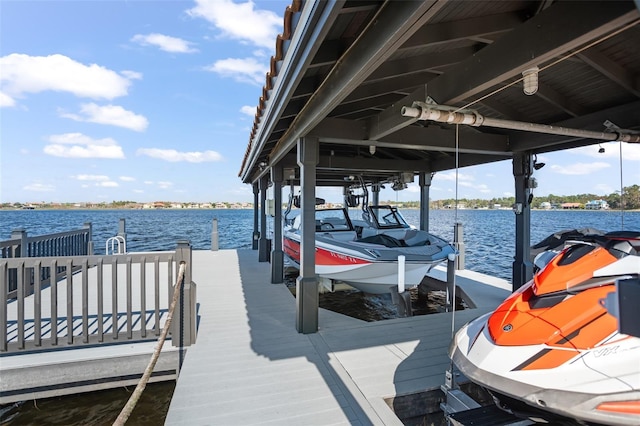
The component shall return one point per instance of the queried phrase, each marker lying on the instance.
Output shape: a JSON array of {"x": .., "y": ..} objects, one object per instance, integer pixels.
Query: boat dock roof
[{"x": 250, "y": 365}]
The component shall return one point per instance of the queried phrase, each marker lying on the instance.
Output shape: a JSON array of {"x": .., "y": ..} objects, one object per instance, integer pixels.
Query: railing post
[
  {"x": 214, "y": 235},
  {"x": 458, "y": 243},
  {"x": 20, "y": 234},
  {"x": 89, "y": 247},
  {"x": 183, "y": 328}
]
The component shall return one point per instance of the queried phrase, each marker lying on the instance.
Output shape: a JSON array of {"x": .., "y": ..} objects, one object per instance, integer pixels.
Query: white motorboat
[{"x": 364, "y": 253}]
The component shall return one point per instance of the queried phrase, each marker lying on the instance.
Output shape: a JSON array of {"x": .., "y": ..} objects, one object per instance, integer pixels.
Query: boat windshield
[
  {"x": 387, "y": 217},
  {"x": 332, "y": 220}
]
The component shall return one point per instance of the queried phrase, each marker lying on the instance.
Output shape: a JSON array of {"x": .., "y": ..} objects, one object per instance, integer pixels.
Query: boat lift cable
[
  {"x": 621, "y": 192},
  {"x": 137, "y": 393},
  {"x": 453, "y": 295}
]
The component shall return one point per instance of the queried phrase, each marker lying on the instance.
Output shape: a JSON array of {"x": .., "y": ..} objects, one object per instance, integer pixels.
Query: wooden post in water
[
  {"x": 214, "y": 234},
  {"x": 122, "y": 231}
]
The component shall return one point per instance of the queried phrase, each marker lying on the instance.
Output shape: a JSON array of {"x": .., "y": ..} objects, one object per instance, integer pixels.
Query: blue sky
[{"x": 154, "y": 100}]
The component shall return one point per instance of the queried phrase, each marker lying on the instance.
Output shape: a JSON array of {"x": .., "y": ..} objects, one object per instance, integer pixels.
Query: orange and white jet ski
[{"x": 552, "y": 349}]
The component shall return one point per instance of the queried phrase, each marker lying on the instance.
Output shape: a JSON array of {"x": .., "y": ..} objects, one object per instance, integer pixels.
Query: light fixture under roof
[{"x": 530, "y": 82}]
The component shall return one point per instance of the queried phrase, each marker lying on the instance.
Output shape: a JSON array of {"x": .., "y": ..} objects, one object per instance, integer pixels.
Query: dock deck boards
[{"x": 251, "y": 366}]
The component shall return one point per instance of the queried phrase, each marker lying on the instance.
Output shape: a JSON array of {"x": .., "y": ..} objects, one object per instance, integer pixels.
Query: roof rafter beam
[
  {"x": 432, "y": 138},
  {"x": 417, "y": 64},
  {"x": 536, "y": 41},
  {"x": 611, "y": 70},
  {"x": 392, "y": 26},
  {"x": 445, "y": 32}
]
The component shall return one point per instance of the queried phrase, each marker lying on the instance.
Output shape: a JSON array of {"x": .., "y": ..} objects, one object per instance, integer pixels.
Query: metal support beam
[
  {"x": 277, "y": 255},
  {"x": 256, "y": 232},
  {"x": 424, "y": 181},
  {"x": 522, "y": 266},
  {"x": 263, "y": 242},
  {"x": 307, "y": 284},
  {"x": 375, "y": 195}
]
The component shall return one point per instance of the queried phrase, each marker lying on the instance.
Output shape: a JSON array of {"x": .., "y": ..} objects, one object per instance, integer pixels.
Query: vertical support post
[
  {"x": 214, "y": 234},
  {"x": 522, "y": 266},
  {"x": 263, "y": 243},
  {"x": 122, "y": 230},
  {"x": 277, "y": 255},
  {"x": 458, "y": 243},
  {"x": 20, "y": 234},
  {"x": 424, "y": 181},
  {"x": 183, "y": 328},
  {"x": 89, "y": 246},
  {"x": 256, "y": 233},
  {"x": 375, "y": 195},
  {"x": 307, "y": 284},
  {"x": 451, "y": 281}
]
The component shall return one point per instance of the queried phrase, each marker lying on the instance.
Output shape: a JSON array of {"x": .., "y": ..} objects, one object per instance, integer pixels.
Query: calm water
[{"x": 488, "y": 234}]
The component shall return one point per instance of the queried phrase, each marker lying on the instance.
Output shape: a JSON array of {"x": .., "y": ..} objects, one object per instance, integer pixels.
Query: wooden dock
[{"x": 250, "y": 365}]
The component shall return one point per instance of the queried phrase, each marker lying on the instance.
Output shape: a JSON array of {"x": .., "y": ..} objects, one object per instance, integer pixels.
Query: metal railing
[
  {"x": 99, "y": 299},
  {"x": 70, "y": 243}
]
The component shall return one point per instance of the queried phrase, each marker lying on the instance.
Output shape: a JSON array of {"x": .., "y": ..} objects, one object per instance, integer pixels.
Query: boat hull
[{"x": 354, "y": 267}]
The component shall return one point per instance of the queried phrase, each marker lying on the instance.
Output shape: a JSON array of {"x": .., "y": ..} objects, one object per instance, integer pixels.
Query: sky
[{"x": 148, "y": 101}]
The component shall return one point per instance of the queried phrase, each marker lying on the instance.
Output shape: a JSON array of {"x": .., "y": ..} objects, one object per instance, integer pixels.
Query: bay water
[{"x": 489, "y": 237}]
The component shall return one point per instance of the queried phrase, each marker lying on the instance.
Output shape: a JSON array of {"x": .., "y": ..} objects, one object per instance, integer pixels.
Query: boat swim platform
[{"x": 250, "y": 365}]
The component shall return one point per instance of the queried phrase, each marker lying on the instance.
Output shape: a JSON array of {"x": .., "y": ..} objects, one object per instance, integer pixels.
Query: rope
[{"x": 137, "y": 393}]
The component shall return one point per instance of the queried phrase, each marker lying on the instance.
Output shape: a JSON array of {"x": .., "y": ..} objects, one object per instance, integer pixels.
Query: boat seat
[{"x": 383, "y": 240}]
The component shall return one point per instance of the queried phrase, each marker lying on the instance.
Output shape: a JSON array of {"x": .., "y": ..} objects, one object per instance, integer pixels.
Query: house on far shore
[
  {"x": 545, "y": 205},
  {"x": 568, "y": 206},
  {"x": 597, "y": 205}
]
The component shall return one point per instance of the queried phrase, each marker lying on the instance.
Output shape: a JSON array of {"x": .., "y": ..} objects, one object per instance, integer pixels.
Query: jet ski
[{"x": 552, "y": 351}]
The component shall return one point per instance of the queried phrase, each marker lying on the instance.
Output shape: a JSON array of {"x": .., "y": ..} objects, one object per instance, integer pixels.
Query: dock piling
[{"x": 214, "y": 234}]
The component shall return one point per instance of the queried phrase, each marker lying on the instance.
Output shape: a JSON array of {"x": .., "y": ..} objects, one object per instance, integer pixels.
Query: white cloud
[
  {"x": 132, "y": 75},
  {"x": 247, "y": 70},
  {"x": 96, "y": 178},
  {"x": 248, "y": 110},
  {"x": 240, "y": 21},
  {"x": 138, "y": 191},
  {"x": 451, "y": 176},
  {"x": 164, "y": 42},
  {"x": 23, "y": 74},
  {"x": 165, "y": 185},
  {"x": 99, "y": 180},
  {"x": 148, "y": 182},
  {"x": 109, "y": 114},
  {"x": 6, "y": 100},
  {"x": 39, "y": 187},
  {"x": 77, "y": 145},
  {"x": 174, "y": 156},
  {"x": 580, "y": 168},
  {"x": 127, "y": 178}
]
